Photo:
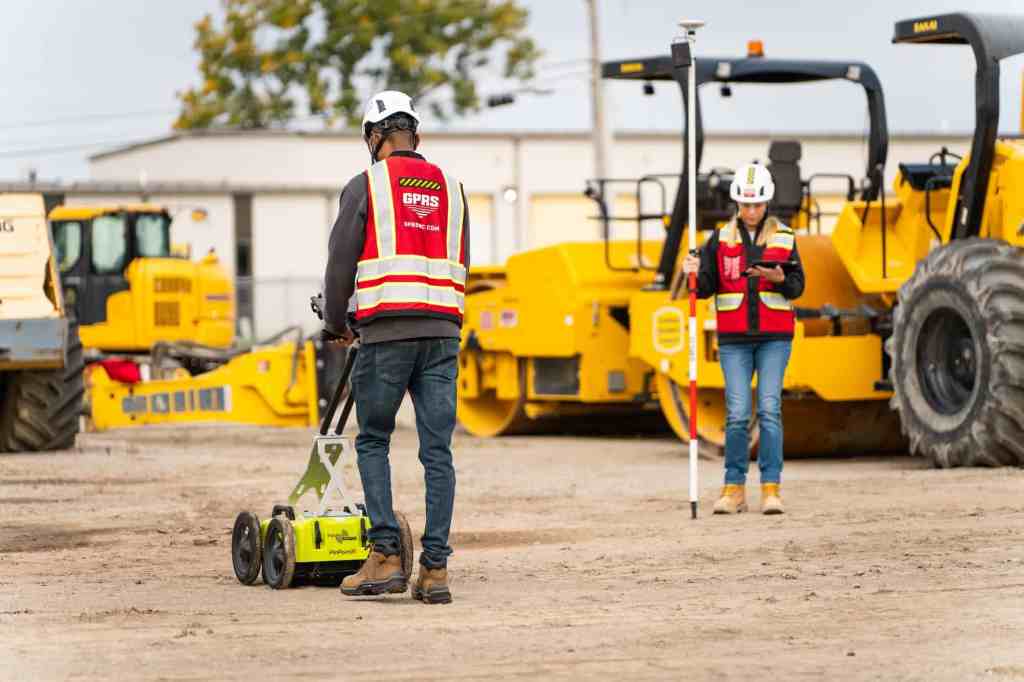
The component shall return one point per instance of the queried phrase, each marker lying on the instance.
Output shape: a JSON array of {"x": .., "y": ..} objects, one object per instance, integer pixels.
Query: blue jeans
[
  {"x": 739, "y": 362},
  {"x": 427, "y": 369}
]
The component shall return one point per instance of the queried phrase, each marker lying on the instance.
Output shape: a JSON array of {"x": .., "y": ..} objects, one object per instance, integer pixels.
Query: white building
[{"x": 270, "y": 197}]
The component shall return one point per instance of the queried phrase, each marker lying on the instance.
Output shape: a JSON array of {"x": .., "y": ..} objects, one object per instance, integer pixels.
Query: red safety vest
[
  {"x": 413, "y": 263},
  {"x": 732, "y": 303}
]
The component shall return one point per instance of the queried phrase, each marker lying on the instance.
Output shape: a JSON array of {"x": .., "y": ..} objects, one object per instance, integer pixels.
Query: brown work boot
[
  {"x": 380, "y": 573},
  {"x": 431, "y": 586},
  {"x": 771, "y": 502},
  {"x": 733, "y": 500}
]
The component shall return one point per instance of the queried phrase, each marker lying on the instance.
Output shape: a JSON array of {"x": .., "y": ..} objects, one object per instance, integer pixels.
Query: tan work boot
[
  {"x": 733, "y": 500},
  {"x": 380, "y": 573},
  {"x": 431, "y": 586},
  {"x": 771, "y": 502}
]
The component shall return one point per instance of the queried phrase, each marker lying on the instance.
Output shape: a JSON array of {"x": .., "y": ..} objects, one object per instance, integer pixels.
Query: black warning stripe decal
[{"x": 419, "y": 183}]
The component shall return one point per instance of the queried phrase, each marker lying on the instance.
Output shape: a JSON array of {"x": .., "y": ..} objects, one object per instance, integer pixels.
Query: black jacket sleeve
[
  {"x": 707, "y": 276},
  {"x": 793, "y": 286},
  {"x": 343, "y": 250}
]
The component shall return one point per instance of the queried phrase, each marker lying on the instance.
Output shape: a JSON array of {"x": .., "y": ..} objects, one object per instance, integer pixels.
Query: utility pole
[{"x": 601, "y": 135}]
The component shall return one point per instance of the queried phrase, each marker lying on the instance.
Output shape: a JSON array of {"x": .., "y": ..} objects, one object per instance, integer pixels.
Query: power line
[
  {"x": 72, "y": 120},
  {"x": 63, "y": 149},
  {"x": 560, "y": 77},
  {"x": 543, "y": 75},
  {"x": 563, "y": 63},
  {"x": 53, "y": 151},
  {"x": 541, "y": 68}
]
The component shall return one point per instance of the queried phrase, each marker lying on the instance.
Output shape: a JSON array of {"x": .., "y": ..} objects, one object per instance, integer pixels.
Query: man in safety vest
[
  {"x": 753, "y": 305},
  {"x": 398, "y": 256}
]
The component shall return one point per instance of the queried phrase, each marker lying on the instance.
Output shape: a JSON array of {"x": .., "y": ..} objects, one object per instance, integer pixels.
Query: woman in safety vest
[{"x": 753, "y": 304}]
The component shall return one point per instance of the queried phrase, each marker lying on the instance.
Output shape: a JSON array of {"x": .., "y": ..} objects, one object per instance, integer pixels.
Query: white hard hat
[
  {"x": 385, "y": 104},
  {"x": 752, "y": 184}
]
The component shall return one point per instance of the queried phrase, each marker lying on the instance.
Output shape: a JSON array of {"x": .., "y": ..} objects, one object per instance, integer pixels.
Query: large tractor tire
[
  {"x": 958, "y": 355},
  {"x": 41, "y": 408}
]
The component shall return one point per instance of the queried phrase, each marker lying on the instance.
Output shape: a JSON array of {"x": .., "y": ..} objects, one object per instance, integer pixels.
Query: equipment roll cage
[
  {"x": 711, "y": 185},
  {"x": 992, "y": 37}
]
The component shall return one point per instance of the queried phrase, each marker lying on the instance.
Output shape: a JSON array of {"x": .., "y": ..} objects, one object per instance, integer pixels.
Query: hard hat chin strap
[
  {"x": 375, "y": 151},
  {"x": 385, "y": 133}
]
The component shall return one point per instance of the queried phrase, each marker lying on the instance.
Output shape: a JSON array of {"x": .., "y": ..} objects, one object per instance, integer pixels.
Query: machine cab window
[
  {"x": 152, "y": 236},
  {"x": 109, "y": 244},
  {"x": 67, "y": 239}
]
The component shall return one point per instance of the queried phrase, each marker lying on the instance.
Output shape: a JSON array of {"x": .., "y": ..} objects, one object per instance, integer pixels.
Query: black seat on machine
[
  {"x": 713, "y": 203},
  {"x": 919, "y": 175},
  {"x": 784, "y": 164}
]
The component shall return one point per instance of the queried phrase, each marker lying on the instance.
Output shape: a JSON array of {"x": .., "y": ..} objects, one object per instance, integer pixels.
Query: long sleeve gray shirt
[{"x": 343, "y": 250}]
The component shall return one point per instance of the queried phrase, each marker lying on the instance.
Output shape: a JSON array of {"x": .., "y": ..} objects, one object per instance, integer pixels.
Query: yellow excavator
[
  {"x": 159, "y": 329},
  {"x": 127, "y": 290},
  {"x": 910, "y": 328}
]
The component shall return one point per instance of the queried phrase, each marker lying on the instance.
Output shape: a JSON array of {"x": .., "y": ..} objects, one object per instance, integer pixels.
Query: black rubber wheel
[
  {"x": 958, "y": 355},
  {"x": 279, "y": 553},
  {"x": 285, "y": 509},
  {"x": 41, "y": 408},
  {"x": 406, "y": 549},
  {"x": 246, "y": 549}
]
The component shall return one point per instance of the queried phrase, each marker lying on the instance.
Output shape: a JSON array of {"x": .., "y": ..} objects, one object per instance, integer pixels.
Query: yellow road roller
[
  {"x": 566, "y": 334},
  {"x": 911, "y": 327}
]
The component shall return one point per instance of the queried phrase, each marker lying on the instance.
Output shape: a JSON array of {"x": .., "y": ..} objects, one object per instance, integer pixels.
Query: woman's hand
[
  {"x": 774, "y": 275},
  {"x": 691, "y": 264}
]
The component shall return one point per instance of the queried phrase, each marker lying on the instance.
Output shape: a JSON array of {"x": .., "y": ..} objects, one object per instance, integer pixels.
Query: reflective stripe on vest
[
  {"x": 455, "y": 214},
  {"x": 409, "y": 292},
  {"x": 728, "y": 302},
  {"x": 420, "y": 266},
  {"x": 775, "y": 301},
  {"x": 780, "y": 240},
  {"x": 383, "y": 210}
]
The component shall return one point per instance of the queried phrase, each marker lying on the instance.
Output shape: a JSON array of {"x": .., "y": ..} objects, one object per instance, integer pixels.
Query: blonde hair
[{"x": 730, "y": 233}]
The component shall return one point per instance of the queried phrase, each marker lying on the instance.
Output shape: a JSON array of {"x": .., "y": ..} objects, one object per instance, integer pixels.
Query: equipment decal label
[{"x": 509, "y": 318}]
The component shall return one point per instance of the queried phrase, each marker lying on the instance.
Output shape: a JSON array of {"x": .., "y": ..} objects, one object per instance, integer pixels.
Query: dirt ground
[{"x": 575, "y": 558}]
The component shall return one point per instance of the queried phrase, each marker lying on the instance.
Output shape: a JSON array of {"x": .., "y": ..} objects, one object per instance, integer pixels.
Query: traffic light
[{"x": 500, "y": 99}]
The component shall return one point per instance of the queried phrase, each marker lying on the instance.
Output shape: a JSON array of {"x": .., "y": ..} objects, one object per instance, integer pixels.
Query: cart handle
[{"x": 332, "y": 406}]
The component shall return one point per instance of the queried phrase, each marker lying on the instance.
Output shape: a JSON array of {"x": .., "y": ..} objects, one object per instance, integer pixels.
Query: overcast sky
[{"x": 103, "y": 73}]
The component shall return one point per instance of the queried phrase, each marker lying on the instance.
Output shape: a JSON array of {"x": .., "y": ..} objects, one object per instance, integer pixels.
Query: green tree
[{"x": 272, "y": 61}]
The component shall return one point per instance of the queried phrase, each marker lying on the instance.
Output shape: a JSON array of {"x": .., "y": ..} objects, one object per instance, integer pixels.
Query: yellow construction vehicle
[
  {"x": 128, "y": 291},
  {"x": 40, "y": 354},
  {"x": 272, "y": 384},
  {"x": 280, "y": 381},
  {"x": 914, "y": 302},
  {"x": 559, "y": 333},
  {"x": 935, "y": 274},
  {"x": 160, "y": 329}
]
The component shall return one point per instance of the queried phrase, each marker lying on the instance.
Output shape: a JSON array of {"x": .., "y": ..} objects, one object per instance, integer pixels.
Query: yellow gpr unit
[{"x": 320, "y": 547}]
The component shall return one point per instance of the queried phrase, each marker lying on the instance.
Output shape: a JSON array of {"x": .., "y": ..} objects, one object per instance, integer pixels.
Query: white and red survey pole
[{"x": 680, "y": 57}]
